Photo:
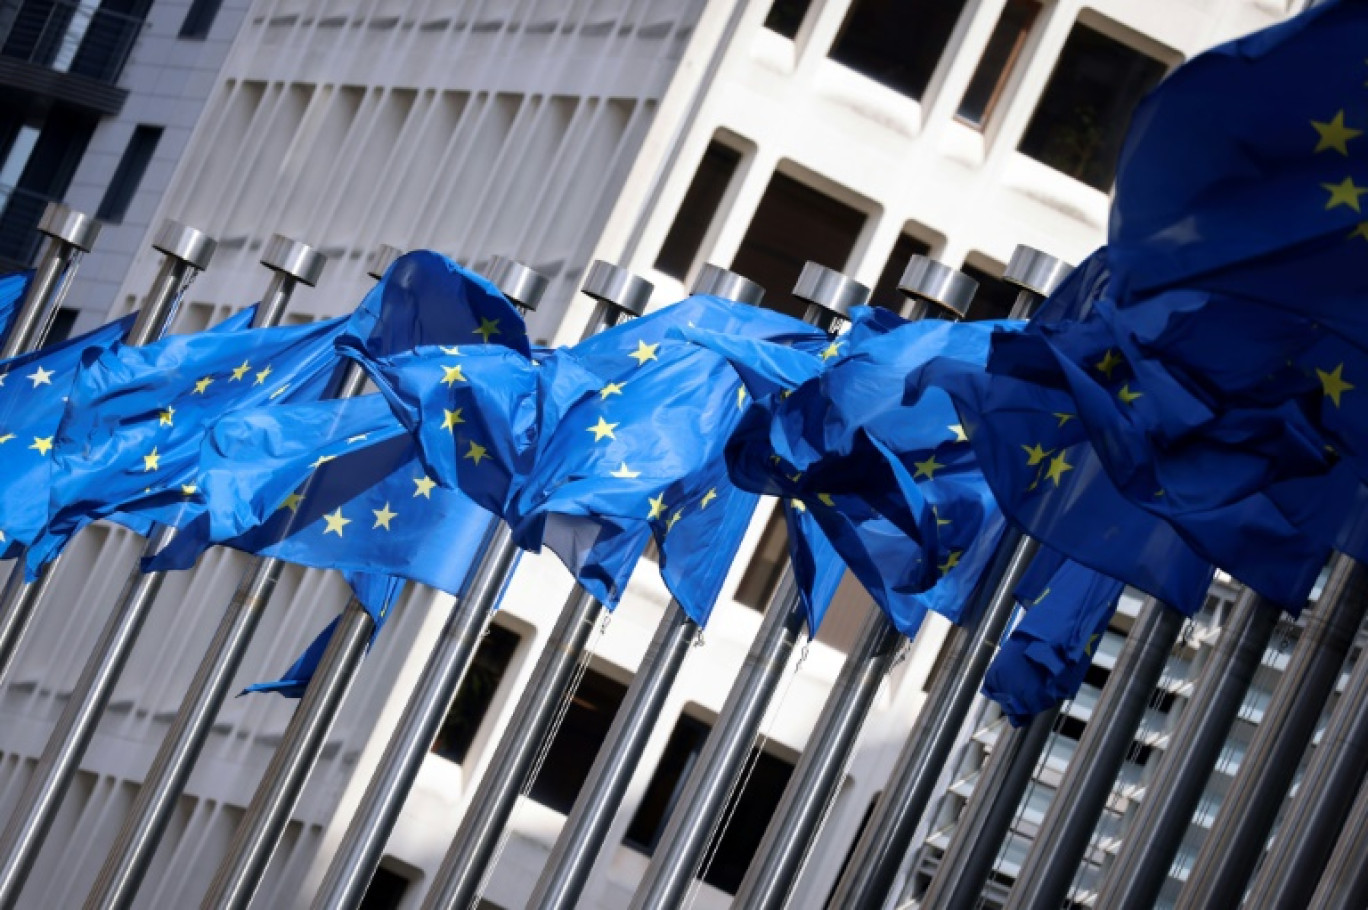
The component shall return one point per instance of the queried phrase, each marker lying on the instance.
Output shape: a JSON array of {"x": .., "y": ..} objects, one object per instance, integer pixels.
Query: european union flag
[
  {"x": 131, "y": 432},
  {"x": 1046, "y": 654},
  {"x": 33, "y": 390},
  {"x": 13, "y": 287}
]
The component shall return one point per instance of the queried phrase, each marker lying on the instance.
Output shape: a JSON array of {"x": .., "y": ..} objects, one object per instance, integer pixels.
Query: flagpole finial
[
  {"x": 716, "y": 281},
  {"x": 518, "y": 282},
  {"x": 381, "y": 259},
  {"x": 297, "y": 260},
  {"x": 64, "y": 223},
  {"x": 1035, "y": 271},
  {"x": 615, "y": 285},
  {"x": 180, "y": 241},
  {"x": 927, "y": 280},
  {"x": 829, "y": 289}
]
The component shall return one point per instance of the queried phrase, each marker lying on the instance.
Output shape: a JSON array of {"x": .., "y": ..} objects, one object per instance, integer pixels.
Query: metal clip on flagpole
[
  {"x": 264, "y": 822},
  {"x": 187, "y": 252},
  {"x": 291, "y": 263},
  {"x": 576, "y": 849},
  {"x": 1151, "y": 838},
  {"x": 70, "y": 233},
  {"x": 792, "y": 831},
  {"x": 618, "y": 293},
  {"x": 873, "y": 865},
  {"x": 830, "y": 296},
  {"x": 1247, "y": 814}
]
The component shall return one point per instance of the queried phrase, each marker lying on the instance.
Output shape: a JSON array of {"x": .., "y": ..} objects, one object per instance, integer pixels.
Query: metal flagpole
[
  {"x": 187, "y": 253},
  {"x": 70, "y": 234},
  {"x": 1313, "y": 821},
  {"x": 1152, "y": 837},
  {"x": 1344, "y": 883},
  {"x": 264, "y": 822},
  {"x": 291, "y": 263},
  {"x": 572, "y": 858},
  {"x": 701, "y": 804},
  {"x": 874, "y": 863},
  {"x": 792, "y": 832},
  {"x": 619, "y": 293},
  {"x": 1059, "y": 846},
  {"x": 1236, "y": 839}
]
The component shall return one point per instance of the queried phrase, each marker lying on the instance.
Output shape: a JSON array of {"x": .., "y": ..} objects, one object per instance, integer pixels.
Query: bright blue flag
[
  {"x": 1047, "y": 653},
  {"x": 33, "y": 391},
  {"x": 13, "y": 287}
]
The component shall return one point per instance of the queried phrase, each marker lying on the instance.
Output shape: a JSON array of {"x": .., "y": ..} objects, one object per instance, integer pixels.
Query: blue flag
[
  {"x": 1047, "y": 653},
  {"x": 13, "y": 287}
]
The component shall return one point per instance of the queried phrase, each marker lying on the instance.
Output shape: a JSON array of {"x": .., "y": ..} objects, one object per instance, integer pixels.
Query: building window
[
  {"x": 1081, "y": 120},
  {"x": 696, "y": 212},
  {"x": 786, "y": 16},
  {"x": 472, "y": 701},
  {"x": 994, "y": 297},
  {"x": 62, "y": 323},
  {"x": 794, "y": 224},
  {"x": 747, "y": 816},
  {"x": 766, "y": 564},
  {"x": 886, "y": 293},
  {"x": 199, "y": 19},
  {"x": 123, "y": 186},
  {"x": 577, "y": 741},
  {"x": 897, "y": 42},
  {"x": 385, "y": 891},
  {"x": 999, "y": 57}
]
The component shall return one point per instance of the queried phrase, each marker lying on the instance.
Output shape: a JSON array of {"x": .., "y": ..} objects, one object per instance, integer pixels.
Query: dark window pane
[
  {"x": 766, "y": 564},
  {"x": 577, "y": 741},
  {"x": 994, "y": 297},
  {"x": 897, "y": 42},
  {"x": 472, "y": 700},
  {"x": 786, "y": 16},
  {"x": 1001, "y": 54},
  {"x": 748, "y": 814},
  {"x": 62, "y": 322},
  {"x": 886, "y": 293},
  {"x": 385, "y": 891},
  {"x": 1085, "y": 110},
  {"x": 124, "y": 184},
  {"x": 697, "y": 210},
  {"x": 794, "y": 224},
  {"x": 200, "y": 18}
]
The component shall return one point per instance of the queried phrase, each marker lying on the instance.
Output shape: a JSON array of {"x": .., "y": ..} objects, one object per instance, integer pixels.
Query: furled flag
[
  {"x": 13, "y": 287},
  {"x": 1047, "y": 652}
]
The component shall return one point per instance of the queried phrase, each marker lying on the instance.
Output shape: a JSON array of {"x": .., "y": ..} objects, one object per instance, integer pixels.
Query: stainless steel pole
[
  {"x": 260, "y": 830},
  {"x": 576, "y": 849},
  {"x": 1344, "y": 884},
  {"x": 187, "y": 253},
  {"x": 1059, "y": 846},
  {"x": 69, "y": 234},
  {"x": 871, "y": 871},
  {"x": 1237, "y": 838},
  {"x": 1153, "y": 836},
  {"x": 1314, "y": 820},
  {"x": 619, "y": 293},
  {"x": 291, "y": 263}
]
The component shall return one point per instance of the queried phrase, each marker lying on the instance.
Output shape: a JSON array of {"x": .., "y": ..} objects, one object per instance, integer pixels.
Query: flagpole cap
[
  {"x": 290, "y": 257},
  {"x": 716, "y": 281},
  {"x": 380, "y": 260},
  {"x": 64, "y": 223},
  {"x": 1035, "y": 271},
  {"x": 614, "y": 284},
  {"x": 830, "y": 289},
  {"x": 518, "y": 282},
  {"x": 936, "y": 282},
  {"x": 179, "y": 241}
]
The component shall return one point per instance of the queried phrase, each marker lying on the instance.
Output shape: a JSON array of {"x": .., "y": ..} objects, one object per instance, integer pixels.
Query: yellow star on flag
[
  {"x": 240, "y": 371},
  {"x": 383, "y": 515},
  {"x": 1127, "y": 396},
  {"x": 453, "y": 350},
  {"x": 831, "y": 350},
  {"x": 624, "y": 473},
  {"x": 262, "y": 374},
  {"x": 488, "y": 328},
  {"x": 1360, "y": 230},
  {"x": 658, "y": 507},
  {"x": 452, "y": 375},
  {"x": 603, "y": 428},
  {"x": 476, "y": 452},
  {"x": 939, "y": 521},
  {"x": 1345, "y": 193},
  {"x": 958, "y": 430},
  {"x": 669, "y": 525},
  {"x": 336, "y": 522},
  {"x": 826, "y": 500},
  {"x": 1335, "y": 135},
  {"x": 740, "y": 396},
  {"x": 1057, "y": 468},
  {"x": 797, "y": 505},
  {"x": 612, "y": 388},
  {"x": 280, "y": 391},
  {"x": 292, "y": 502},
  {"x": 707, "y": 498},
  {"x": 166, "y": 418},
  {"x": 42, "y": 443},
  {"x": 950, "y": 562},
  {"x": 1110, "y": 361},
  {"x": 927, "y": 468},
  {"x": 1036, "y": 454},
  {"x": 1062, "y": 417},
  {"x": 644, "y": 352},
  {"x": 151, "y": 461},
  {"x": 188, "y": 489},
  {"x": 41, "y": 376},
  {"x": 450, "y": 419},
  {"x": 203, "y": 385},
  {"x": 357, "y": 438},
  {"x": 1092, "y": 643},
  {"x": 6, "y": 438},
  {"x": 1334, "y": 384},
  {"x": 321, "y": 460},
  {"x": 424, "y": 487}
]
